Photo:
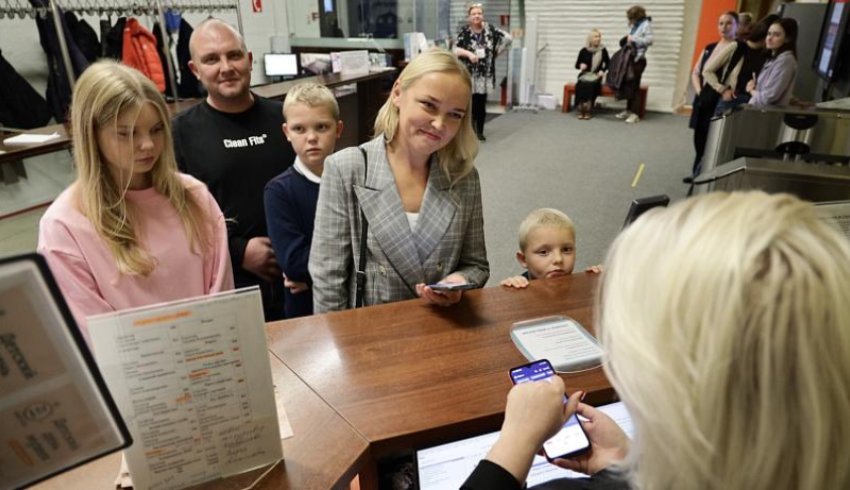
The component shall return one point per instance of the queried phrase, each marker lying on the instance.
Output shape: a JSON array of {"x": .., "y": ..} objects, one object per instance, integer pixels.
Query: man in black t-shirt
[{"x": 233, "y": 142}]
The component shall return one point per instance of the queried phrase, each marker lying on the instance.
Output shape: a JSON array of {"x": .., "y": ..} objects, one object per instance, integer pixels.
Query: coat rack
[{"x": 23, "y": 9}]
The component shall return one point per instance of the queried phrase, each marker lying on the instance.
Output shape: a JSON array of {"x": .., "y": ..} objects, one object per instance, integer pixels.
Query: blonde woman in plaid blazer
[{"x": 421, "y": 197}]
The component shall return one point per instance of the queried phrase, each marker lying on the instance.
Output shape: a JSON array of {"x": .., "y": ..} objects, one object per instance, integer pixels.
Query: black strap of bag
[
  {"x": 361, "y": 264},
  {"x": 709, "y": 98}
]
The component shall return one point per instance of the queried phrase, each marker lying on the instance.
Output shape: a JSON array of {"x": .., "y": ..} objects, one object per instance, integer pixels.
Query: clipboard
[{"x": 56, "y": 412}]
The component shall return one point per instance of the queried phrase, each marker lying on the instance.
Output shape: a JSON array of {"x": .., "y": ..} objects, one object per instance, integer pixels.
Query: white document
[
  {"x": 354, "y": 63},
  {"x": 449, "y": 465},
  {"x": 55, "y": 411},
  {"x": 193, "y": 381},
  {"x": 837, "y": 213},
  {"x": 30, "y": 139},
  {"x": 561, "y": 340}
]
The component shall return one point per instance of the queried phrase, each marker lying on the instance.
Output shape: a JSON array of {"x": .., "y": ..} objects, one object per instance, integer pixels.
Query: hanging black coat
[
  {"x": 621, "y": 72},
  {"x": 113, "y": 41},
  {"x": 188, "y": 86},
  {"x": 84, "y": 36},
  {"x": 58, "y": 85},
  {"x": 20, "y": 105},
  {"x": 161, "y": 49}
]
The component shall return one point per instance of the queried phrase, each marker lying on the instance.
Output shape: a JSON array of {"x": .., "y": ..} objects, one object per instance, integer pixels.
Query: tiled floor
[{"x": 47, "y": 175}]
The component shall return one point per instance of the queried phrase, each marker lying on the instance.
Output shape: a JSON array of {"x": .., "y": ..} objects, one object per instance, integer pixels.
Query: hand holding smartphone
[
  {"x": 451, "y": 286},
  {"x": 571, "y": 439}
]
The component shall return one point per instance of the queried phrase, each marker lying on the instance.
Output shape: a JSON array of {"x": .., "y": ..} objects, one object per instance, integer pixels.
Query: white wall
[
  {"x": 302, "y": 21},
  {"x": 564, "y": 24}
]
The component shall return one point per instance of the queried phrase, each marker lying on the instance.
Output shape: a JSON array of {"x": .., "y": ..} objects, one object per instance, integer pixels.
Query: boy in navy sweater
[{"x": 312, "y": 125}]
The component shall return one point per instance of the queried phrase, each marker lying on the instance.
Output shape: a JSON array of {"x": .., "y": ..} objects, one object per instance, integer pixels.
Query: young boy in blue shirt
[
  {"x": 312, "y": 125},
  {"x": 547, "y": 247}
]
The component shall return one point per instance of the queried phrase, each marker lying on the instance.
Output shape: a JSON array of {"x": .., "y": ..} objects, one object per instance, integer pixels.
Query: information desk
[
  {"x": 369, "y": 98},
  {"x": 325, "y": 451},
  {"x": 408, "y": 375}
]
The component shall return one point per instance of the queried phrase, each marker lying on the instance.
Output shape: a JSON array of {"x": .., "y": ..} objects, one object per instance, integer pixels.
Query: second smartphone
[{"x": 571, "y": 439}]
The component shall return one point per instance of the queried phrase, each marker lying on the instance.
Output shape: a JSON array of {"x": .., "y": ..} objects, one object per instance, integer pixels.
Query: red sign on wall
[{"x": 257, "y": 5}]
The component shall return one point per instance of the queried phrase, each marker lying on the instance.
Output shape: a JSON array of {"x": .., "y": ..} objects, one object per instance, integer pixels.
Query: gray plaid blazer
[{"x": 449, "y": 235}]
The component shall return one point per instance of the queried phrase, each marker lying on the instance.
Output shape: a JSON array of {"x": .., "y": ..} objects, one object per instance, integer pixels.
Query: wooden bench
[{"x": 570, "y": 89}]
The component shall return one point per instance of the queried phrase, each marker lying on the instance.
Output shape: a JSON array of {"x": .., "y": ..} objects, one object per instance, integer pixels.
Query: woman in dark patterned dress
[{"x": 478, "y": 44}]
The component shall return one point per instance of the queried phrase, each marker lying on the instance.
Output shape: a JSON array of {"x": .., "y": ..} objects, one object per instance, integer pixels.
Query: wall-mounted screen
[
  {"x": 281, "y": 65},
  {"x": 832, "y": 39}
]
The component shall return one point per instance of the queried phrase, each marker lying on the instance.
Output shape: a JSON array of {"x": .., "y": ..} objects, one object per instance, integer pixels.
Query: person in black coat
[{"x": 592, "y": 62}]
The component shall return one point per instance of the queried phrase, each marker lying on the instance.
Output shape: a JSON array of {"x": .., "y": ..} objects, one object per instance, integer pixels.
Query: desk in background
[{"x": 360, "y": 117}]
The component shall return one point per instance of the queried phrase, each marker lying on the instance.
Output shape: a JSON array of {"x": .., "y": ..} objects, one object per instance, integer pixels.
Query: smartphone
[
  {"x": 571, "y": 439},
  {"x": 449, "y": 286}
]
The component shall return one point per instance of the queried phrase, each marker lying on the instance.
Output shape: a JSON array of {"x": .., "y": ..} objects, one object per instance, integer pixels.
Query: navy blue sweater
[{"x": 290, "y": 201}]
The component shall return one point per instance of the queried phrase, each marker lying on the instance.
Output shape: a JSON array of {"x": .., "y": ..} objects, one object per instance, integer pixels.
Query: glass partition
[{"x": 379, "y": 19}]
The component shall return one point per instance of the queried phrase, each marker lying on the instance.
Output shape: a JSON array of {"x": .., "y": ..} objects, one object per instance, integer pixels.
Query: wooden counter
[
  {"x": 408, "y": 375},
  {"x": 362, "y": 385}
]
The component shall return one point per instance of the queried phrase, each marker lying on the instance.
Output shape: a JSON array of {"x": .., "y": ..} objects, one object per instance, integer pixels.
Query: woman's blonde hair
[
  {"x": 588, "y": 43},
  {"x": 456, "y": 159},
  {"x": 726, "y": 322},
  {"x": 104, "y": 92}
]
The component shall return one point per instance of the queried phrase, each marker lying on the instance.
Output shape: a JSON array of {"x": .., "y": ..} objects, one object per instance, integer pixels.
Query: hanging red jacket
[{"x": 140, "y": 51}]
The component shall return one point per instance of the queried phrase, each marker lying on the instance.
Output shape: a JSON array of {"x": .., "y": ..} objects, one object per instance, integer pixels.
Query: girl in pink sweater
[{"x": 131, "y": 230}]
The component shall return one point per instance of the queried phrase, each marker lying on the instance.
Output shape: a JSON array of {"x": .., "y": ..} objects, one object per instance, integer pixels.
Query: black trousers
[
  {"x": 634, "y": 101},
  {"x": 479, "y": 112},
  {"x": 703, "y": 113}
]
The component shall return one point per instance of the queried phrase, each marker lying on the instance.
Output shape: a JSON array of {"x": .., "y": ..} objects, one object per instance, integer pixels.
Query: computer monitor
[
  {"x": 833, "y": 38},
  {"x": 280, "y": 64}
]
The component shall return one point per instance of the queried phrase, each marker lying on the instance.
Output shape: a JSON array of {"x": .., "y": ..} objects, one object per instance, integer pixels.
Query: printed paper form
[
  {"x": 837, "y": 213},
  {"x": 560, "y": 340},
  {"x": 449, "y": 465},
  {"x": 193, "y": 381}
]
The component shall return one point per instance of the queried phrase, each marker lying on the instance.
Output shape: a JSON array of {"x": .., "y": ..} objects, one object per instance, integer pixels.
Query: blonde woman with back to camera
[
  {"x": 724, "y": 320},
  {"x": 130, "y": 231}
]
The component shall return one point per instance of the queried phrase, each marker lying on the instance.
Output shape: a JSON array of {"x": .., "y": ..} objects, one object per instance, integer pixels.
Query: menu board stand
[
  {"x": 193, "y": 381},
  {"x": 56, "y": 412}
]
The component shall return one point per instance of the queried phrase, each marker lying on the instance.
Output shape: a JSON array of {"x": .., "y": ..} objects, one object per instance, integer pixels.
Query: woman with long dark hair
[{"x": 775, "y": 82}]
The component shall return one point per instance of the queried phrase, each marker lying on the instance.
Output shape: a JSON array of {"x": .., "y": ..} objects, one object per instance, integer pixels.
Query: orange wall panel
[{"x": 707, "y": 30}]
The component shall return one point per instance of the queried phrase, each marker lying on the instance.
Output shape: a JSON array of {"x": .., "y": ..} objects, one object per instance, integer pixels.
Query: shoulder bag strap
[
  {"x": 361, "y": 264},
  {"x": 736, "y": 57}
]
